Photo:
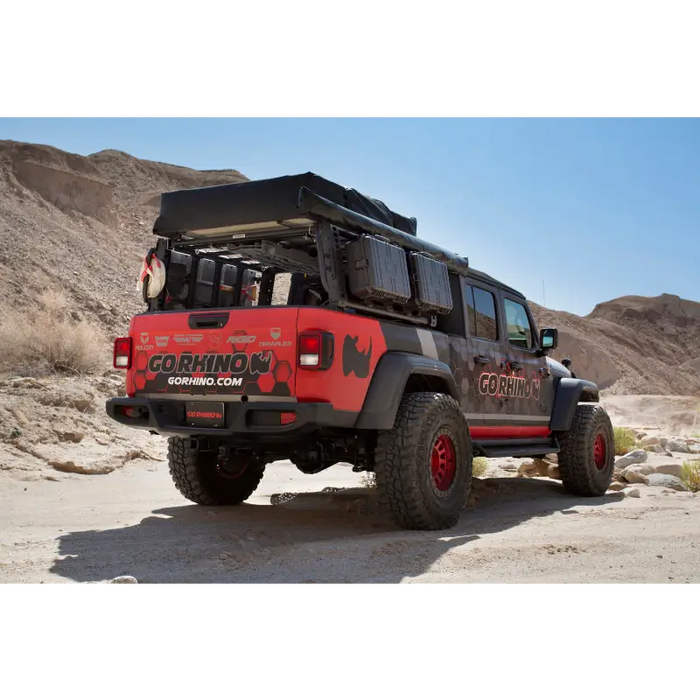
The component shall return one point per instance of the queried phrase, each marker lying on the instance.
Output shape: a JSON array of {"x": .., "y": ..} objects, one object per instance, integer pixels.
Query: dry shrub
[
  {"x": 48, "y": 340},
  {"x": 479, "y": 466},
  {"x": 690, "y": 475}
]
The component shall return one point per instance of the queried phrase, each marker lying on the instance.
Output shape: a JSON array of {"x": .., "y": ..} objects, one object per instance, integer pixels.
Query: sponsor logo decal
[
  {"x": 492, "y": 384},
  {"x": 210, "y": 363},
  {"x": 354, "y": 360},
  {"x": 162, "y": 340},
  {"x": 275, "y": 334},
  {"x": 188, "y": 338},
  {"x": 240, "y": 339},
  {"x": 215, "y": 340},
  {"x": 144, "y": 338}
]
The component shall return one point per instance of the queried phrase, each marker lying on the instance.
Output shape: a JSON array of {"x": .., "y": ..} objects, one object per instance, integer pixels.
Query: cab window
[
  {"x": 481, "y": 309},
  {"x": 518, "y": 323}
]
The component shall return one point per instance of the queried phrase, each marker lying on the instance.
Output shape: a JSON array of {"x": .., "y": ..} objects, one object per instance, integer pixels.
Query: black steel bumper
[{"x": 241, "y": 418}]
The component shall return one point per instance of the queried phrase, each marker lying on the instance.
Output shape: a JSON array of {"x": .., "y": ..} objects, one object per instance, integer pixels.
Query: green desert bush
[
  {"x": 625, "y": 440},
  {"x": 479, "y": 466}
]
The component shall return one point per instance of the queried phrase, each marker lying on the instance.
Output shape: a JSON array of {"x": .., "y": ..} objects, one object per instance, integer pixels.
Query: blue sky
[{"x": 595, "y": 209}]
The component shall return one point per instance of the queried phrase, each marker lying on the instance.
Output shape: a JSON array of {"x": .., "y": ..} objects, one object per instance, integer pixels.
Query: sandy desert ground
[{"x": 326, "y": 528}]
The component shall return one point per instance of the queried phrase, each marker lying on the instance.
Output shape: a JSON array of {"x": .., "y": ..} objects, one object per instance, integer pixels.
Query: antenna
[{"x": 544, "y": 298}]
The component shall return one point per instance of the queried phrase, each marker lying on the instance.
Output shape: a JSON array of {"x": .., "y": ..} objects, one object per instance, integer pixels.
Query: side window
[
  {"x": 482, "y": 313},
  {"x": 519, "y": 328}
]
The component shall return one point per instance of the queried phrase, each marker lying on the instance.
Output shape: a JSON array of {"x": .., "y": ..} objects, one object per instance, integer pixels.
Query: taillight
[
  {"x": 122, "y": 353},
  {"x": 315, "y": 350}
]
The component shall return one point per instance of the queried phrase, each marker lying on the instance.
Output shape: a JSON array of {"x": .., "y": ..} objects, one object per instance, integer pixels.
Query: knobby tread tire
[
  {"x": 577, "y": 468},
  {"x": 196, "y": 478},
  {"x": 402, "y": 463}
]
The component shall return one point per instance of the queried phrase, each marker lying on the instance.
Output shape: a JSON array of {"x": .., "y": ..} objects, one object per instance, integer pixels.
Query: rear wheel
[
  {"x": 587, "y": 456},
  {"x": 212, "y": 477},
  {"x": 424, "y": 463}
]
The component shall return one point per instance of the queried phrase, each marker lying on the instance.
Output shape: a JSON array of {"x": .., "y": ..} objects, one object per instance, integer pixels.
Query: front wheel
[
  {"x": 587, "y": 456},
  {"x": 212, "y": 477},
  {"x": 423, "y": 464}
]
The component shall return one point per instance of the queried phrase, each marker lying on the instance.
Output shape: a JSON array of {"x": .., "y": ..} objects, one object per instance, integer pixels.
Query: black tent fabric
[{"x": 258, "y": 201}]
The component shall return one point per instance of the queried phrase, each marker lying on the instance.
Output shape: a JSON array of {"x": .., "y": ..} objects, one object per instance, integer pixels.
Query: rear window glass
[{"x": 482, "y": 314}]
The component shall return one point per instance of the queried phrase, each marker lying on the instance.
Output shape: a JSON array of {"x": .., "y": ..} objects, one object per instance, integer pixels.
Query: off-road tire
[
  {"x": 197, "y": 477},
  {"x": 577, "y": 462},
  {"x": 405, "y": 482}
]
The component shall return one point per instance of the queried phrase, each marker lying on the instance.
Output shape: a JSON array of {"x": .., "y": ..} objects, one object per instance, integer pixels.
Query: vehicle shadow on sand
[{"x": 321, "y": 537}]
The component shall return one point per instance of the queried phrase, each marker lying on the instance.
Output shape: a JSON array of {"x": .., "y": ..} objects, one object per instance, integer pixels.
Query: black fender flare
[
  {"x": 568, "y": 394},
  {"x": 388, "y": 383}
]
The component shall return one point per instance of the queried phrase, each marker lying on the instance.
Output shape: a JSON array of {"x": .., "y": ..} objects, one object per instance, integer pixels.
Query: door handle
[
  {"x": 197, "y": 321},
  {"x": 481, "y": 360}
]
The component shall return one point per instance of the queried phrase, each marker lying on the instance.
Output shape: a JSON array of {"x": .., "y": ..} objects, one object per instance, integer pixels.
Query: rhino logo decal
[{"x": 355, "y": 360}]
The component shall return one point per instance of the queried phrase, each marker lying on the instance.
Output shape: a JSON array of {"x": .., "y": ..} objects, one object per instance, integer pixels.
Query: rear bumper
[{"x": 167, "y": 416}]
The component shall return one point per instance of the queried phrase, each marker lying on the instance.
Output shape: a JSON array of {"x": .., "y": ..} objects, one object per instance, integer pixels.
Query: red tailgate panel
[{"x": 254, "y": 353}]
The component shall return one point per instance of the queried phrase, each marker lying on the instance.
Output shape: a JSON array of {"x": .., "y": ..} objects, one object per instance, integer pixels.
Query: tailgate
[{"x": 222, "y": 352}]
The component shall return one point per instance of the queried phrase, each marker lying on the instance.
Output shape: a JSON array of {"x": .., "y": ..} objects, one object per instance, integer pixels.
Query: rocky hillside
[
  {"x": 633, "y": 345},
  {"x": 80, "y": 225}
]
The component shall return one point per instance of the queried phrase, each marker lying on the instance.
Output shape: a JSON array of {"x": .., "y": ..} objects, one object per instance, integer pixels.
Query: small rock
[
  {"x": 617, "y": 486},
  {"x": 73, "y": 468},
  {"x": 677, "y": 446},
  {"x": 667, "y": 481},
  {"x": 672, "y": 469},
  {"x": 541, "y": 466},
  {"x": 71, "y": 436},
  {"x": 507, "y": 466},
  {"x": 83, "y": 405},
  {"x": 641, "y": 434},
  {"x": 527, "y": 469},
  {"x": 658, "y": 448},
  {"x": 634, "y": 476},
  {"x": 631, "y": 493},
  {"x": 663, "y": 441},
  {"x": 124, "y": 579},
  {"x": 553, "y": 457},
  {"x": 22, "y": 419},
  {"x": 553, "y": 472},
  {"x": 634, "y": 457},
  {"x": 650, "y": 440}
]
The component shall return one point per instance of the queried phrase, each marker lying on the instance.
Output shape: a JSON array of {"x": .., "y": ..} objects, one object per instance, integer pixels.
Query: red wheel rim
[
  {"x": 443, "y": 463},
  {"x": 600, "y": 451}
]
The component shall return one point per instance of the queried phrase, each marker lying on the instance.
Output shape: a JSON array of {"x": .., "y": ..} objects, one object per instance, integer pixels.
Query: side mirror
[{"x": 549, "y": 338}]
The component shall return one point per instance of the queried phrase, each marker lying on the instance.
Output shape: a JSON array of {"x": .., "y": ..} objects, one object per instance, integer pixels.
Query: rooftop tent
[{"x": 262, "y": 205}]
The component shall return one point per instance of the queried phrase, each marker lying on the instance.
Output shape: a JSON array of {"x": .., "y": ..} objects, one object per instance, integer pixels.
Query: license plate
[{"x": 204, "y": 414}]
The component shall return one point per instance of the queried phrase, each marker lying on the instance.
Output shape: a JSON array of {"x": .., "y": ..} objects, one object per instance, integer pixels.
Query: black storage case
[
  {"x": 431, "y": 284},
  {"x": 377, "y": 270}
]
